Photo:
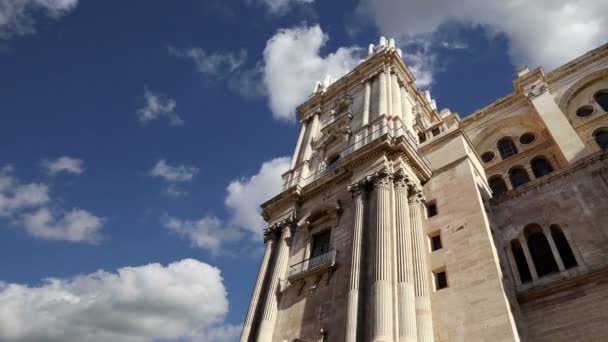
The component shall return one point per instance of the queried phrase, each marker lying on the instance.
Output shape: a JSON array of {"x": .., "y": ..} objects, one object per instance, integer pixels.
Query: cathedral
[{"x": 398, "y": 221}]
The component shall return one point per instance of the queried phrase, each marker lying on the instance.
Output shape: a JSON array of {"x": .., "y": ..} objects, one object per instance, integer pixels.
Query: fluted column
[
  {"x": 405, "y": 273},
  {"x": 296, "y": 152},
  {"x": 255, "y": 297},
  {"x": 382, "y": 102},
  {"x": 352, "y": 313},
  {"x": 272, "y": 297},
  {"x": 366, "y": 103},
  {"x": 397, "y": 111},
  {"x": 407, "y": 111},
  {"x": 424, "y": 319},
  {"x": 381, "y": 289}
]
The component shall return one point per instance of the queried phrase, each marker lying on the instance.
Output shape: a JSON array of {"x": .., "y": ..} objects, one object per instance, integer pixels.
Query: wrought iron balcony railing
[{"x": 313, "y": 265}]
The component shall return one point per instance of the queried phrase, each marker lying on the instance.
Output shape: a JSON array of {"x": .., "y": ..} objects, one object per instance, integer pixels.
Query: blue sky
[{"x": 138, "y": 139}]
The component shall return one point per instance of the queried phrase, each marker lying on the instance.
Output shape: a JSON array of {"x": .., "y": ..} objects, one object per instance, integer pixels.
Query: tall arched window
[
  {"x": 563, "y": 247},
  {"x": 541, "y": 167},
  {"x": 498, "y": 186},
  {"x": 601, "y": 137},
  {"x": 518, "y": 176},
  {"x": 520, "y": 261},
  {"x": 601, "y": 97},
  {"x": 506, "y": 148},
  {"x": 540, "y": 250}
]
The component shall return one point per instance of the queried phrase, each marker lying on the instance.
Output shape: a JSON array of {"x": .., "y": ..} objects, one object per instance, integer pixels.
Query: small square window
[
  {"x": 431, "y": 210},
  {"x": 441, "y": 280},
  {"x": 436, "y": 131},
  {"x": 436, "y": 242}
]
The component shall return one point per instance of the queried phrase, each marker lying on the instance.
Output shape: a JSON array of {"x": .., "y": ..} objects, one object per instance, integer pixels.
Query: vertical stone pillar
[
  {"x": 272, "y": 297},
  {"x": 558, "y": 258},
  {"x": 382, "y": 101},
  {"x": 311, "y": 134},
  {"x": 531, "y": 267},
  {"x": 405, "y": 273},
  {"x": 407, "y": 111},
  {"x": 382, "y": 289},
  {"x": 397, "y": 111},
  {"x": 366, "y": 103},
  {"x": 424, "y": 319},
  {"x": 255, "y": 297},
  {"x": 352, "y": 311},
  {"x": 296, "y": 152}
]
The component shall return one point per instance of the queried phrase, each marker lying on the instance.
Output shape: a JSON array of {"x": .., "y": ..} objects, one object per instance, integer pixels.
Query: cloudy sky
[{"x": 139, "y": 137}]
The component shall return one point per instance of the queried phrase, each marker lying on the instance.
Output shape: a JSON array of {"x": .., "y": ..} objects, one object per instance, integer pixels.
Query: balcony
[{"x": 319, "y": 263}]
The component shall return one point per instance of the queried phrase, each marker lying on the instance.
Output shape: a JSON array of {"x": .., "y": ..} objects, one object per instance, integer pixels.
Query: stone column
[
  {"x": 407, "y": 111},
  {"x": 405, "y": 273},
  {"x": 312, "y": 128},
  {"x": 382, "y": 102},
  {"x": 272, "y": 296},
  {"x": 381, "y": 287},
  {"x": 352, "y": 311},
  {"x": 513, "y": 264},
  {"x": 424, "y": 319},
  {"x": 529, "y": 261},
  {"x": 366, "y": 102},
  {"x": 397, "y": 111},
  {"x": 558, "y": 258},
  {"x": 296, "y": 152},
  {"x": 255, "y": 297}
]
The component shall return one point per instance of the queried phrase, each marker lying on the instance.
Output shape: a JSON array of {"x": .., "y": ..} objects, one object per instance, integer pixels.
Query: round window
[
  {"x": 584, "y": 111},
  {"x": 527, "y": 138},
  {"x": 487, "y": 157}
]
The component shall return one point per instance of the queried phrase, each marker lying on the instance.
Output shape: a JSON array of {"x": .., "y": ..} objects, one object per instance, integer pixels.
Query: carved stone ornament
[
  {"x": 536, "y": 90},
  {"x": 416, "y": 196},
  {"x": 402, "y": 181},
  {"x": 282, "y": 227},
  {"x": 358, "y": 188},
  {"x": 382, "y": 179}
]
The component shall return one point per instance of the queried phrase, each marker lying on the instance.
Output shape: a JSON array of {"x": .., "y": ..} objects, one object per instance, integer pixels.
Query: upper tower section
[{"x": 377, "y": 98}]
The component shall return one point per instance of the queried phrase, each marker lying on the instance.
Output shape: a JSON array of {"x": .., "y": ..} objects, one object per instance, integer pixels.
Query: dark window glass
[
  {"x": 435, "y": 242},
  {"x": 602, "y": 99},
  {"x": 421, "y": 137},
  {"x": 441, "y": 280},
  {"x": 584, "y": 111},
  {"x": 541, "y": 167},
  {"x": 487, "y": 157},
  {"x": 431, "y": 210},
  {"x": 520, "y": 262},
  {"x": 320, "y": 244},
  {"x": 506, "y": 148},
  {"x": 436, "y": 131},
  {"x": 527, "y": 138},
  {"x": 563, "y": 247},
  {"x": 601, "y": 138},
  {"x": 498, "y": 186},
  {"x": 333, "y": 161},
  {"x": 519, "y": 177},
  {"x": 541, "y": 254}
]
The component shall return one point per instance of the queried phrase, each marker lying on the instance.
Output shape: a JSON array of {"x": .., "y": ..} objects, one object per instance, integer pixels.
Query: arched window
[
  {"x": 601, "y": 138},
  {"x": 540, "y": 250},
  {"x": 541, "y": 167},
  {"x": 487, "y": 157},
  {"x": 563, "y": 247},
  {"x": 601, "y": 97},
  {"x": 506, "y": 148},
  {"x": 520, "y": 261},
  {"x": 498, "y": 186},
  {"x": 518, "y": 176}
]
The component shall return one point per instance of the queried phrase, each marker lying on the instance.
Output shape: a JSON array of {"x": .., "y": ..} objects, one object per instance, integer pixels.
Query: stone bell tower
[{"x": 347, "y": 243}]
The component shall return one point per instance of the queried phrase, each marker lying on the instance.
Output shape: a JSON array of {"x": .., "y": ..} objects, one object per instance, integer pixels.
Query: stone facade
[{"x": 399, "y": 222}]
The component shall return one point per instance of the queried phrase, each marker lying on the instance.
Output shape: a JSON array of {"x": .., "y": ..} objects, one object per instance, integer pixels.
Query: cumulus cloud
[
  {"x": 159, "y": 106},
  {"x": 17, "y": 16},
  {"x": 173, "y": 175},
  {"x": 243, "y": 200},
  {"x": 185, "y": 300},
  {"x": 544, "y": 33},
  {"x": 293, "y": 64},
  {"x": 63, "y": 164},
  {"x": 28, "y": 206},
  {"x": 212, "y": 64}
]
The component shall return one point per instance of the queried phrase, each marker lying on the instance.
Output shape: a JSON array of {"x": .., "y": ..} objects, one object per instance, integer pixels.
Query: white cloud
[
  {"x": 63, "y": 164},
  {"x": 179, "y": 173},
  {"x": 158, "y": 106},
  {"x": 183, "y": 300},
  {"x": 16, "y": 16},
  {"x": 212, "y": 64},
  {"x": 28, "y": 206},
  {"x": 281, "y": 6},
  {"x": 293, "y": 64},
  {"x": 544, "y": 32},
  {"x": 77, "y": 225},
  {"x": 243, "y": 203}
]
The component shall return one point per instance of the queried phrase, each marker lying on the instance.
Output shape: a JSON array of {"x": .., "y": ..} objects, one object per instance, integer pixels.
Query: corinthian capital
[
  {"x": 416, "y": 196},
  {"x": 382, "y": 180},
  {"x": 402, "y": 181},
  {"x": 358, "y": 188}
]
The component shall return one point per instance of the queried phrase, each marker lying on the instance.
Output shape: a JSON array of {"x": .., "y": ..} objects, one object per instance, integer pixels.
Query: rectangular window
[
  {"x": 436, "y": 131},
  {"x": 321, "y": 243},
  {"x": 441, "y": 280},
  {"x": 431, "y": 209},
  {"x": 436, "y": 242}
]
